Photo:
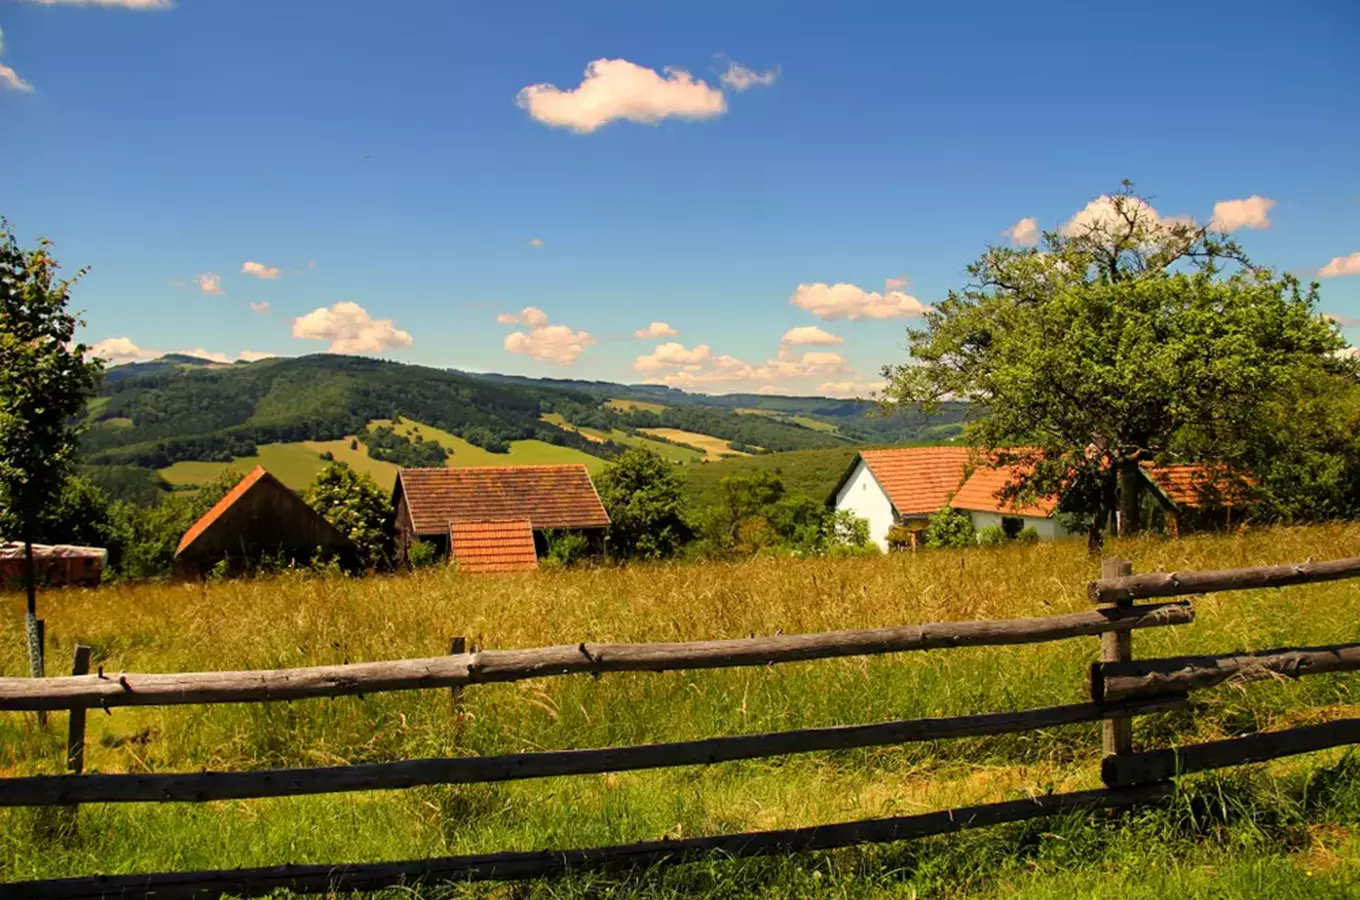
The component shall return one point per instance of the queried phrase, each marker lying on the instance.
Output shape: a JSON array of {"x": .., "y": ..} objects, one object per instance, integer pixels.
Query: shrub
[
  {"x": 899, "y": 538},
  {"x": 949, "y": 528},
  {"x": 991, "y": 536},
  {"x": 353, "y": 503},
  {"x": 422, "y": 554},
  {"x": 566, "y": 547},
  {"x": 1028, "y": 535},
  {"x": 643, "y": 495}
]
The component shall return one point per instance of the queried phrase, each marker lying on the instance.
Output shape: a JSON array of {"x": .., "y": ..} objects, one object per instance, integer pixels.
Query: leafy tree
[
  {"x": 949, "y": 528},
  {"x": 642, "y": 493},
  {"x": 45, "y": 382},
  {"x": 566, "y": 546},
  {"x": 1120, "y": 339},
  {"x": 353, "y": 503},
  {"x": 845, "y": 529}
]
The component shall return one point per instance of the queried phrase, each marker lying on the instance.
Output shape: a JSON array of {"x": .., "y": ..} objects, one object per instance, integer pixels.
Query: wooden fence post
[
  {"x": 37, "y": 642},
  {"x": 457, "y": 645},
  {"x": 75, "y": 734},
  {"x": 1117, "y": 647}
]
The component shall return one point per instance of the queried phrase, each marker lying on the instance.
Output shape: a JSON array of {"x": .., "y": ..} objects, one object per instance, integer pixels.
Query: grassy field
[
  {"x": 714, "y": 448},
  {"x": 805, "y": 421},
  {"x": 668, "y": 451},
  {"x": 626, "y": 405},
  {"x": 811, "y": 472},
  {"x": 522, "y": 453},
  {"x": 1282, "y": 829}
]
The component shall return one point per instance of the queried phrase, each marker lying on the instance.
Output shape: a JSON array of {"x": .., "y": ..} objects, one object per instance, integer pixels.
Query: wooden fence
[{"x": 1121, "y": 688}]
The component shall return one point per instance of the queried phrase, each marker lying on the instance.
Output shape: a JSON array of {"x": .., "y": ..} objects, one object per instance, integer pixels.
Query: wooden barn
[
  {"x": 54, "y": 564},
  {"x": 493, "y": 518},
  {"x": 260, "y": 519}
]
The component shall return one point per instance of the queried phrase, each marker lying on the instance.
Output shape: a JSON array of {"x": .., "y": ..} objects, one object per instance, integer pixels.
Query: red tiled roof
[
  {"x": 547, "y": 496},
  {"x": 222, "y": 506},
  {"x": 1182, "y": 483},
  {"x": 917, "y": 480},
  {"x": 979, "y": 494},
  {"x": 504, "y": 546}
]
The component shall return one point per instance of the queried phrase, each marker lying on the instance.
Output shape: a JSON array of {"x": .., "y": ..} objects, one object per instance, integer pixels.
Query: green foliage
[
  {"x": 740, "y": 431},
  {"x": 949, "y": 528},
  {"x": 142, "y": 487},
  {"x": 45, "y": 382},
  {"x": 1123, "y": 342},
  {"x": 385, "y": 444},
  {"x": 845, "y": 529},
  {"x": 991, "y": 536},
  {"x": 422, "y": 554},
  {"x": 899, "y": 538},
  {"x": 566, "y": 547},
  {"x": 142, "y": 540},
  {"x": 353, "y": 503},
  {"x": 1028, "y": 535},
  {"x": 641, "y": 491}
]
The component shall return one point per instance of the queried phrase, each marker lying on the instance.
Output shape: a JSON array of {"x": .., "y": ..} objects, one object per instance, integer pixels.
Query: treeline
[
  {"x": 742, "y": 431},
  {"x": 385, "y": 444}
]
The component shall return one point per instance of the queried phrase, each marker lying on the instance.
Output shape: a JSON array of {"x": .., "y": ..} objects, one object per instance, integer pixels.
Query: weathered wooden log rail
[
  {"x": 490, "y": 666},
  {"x": 1121, "y": 688}
]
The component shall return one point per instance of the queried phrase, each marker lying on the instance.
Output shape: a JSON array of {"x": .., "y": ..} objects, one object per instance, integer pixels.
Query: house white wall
[
  {"x": 862, "y": 496},
  {"x": 1049, "y": 529}
]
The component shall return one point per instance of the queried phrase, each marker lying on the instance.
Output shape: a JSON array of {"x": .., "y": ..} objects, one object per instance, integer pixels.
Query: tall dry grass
[{"x": 302, "y": 620}]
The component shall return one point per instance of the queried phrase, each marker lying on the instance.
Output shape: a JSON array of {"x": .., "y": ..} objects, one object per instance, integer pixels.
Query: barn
[
  {"x": 900, "y": 487},
  {"x": 260, "y": 519},
  {"x": 493, "y": 518}
]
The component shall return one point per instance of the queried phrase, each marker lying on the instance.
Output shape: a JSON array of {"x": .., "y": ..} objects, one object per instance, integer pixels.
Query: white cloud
[
  {"x": 10, "y": 78},
  {"x": 1341, "y": 265},
  {"x": 896, "y": 284},
  {"x": 1253, "y": 212},
  {"x": 851, "y": 389},
  {"x": 616, "y": 89},
  {"x": 774, "y": 390},
  {"x": 535, "y": 242},
  {"x": 656, "y": 330},
  {"x": 259, "y": 270},
  {"x": 672, "y": 364},
  {"x": 1024, "y": 233},
  {"x": 1101, "y": 215},
  {"x": 530, "y": 315},
  {"x": 350, "y": 329},
  {"x": 120, "y": 350},
  {"x": 673, "y": 354},
  {"x": 740, "y": 78},
  {"x": 261, "y": 307},
  {"x": 125, "y": 4},
  {"x": 557, "y": 344},
  {"x": 810, "y": 336},
  {"x": 847, "y": 301},
  {"x": 210, "y": 283}
]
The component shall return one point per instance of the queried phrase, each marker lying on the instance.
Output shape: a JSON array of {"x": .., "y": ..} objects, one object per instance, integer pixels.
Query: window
[{"x": 1012, "y": 525}]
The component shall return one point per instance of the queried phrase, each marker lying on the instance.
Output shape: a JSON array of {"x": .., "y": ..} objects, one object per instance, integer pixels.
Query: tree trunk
[{"x": 1130, "y": 496}]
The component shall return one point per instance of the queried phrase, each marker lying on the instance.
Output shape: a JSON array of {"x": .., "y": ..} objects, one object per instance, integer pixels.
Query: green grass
[
  {"x": 625, "y": 405},
  {"x": 522, "y": 453},
  {"x": 714, "y": 448},
  {"x": 811, "y": 472},
  {"x": 669, "y": 451},
  {"x": 805, "y": 421},
  {"x": 294, "y": 464},
  {"x": 1282, "y": 829}
]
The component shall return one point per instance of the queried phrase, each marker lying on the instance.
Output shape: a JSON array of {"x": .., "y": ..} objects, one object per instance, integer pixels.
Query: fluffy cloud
[
  {"x": 557, "y": 344},
  {"x": 847, "y": 301},
  {"x": 350, "y": 329},
  {"x": 896, "y": 284},
  {"x": 672, "y": 364},
  {"x": 616, "y": 89},
  {"x": 851, "y": 389},
  {"x": 259, "y": 270},
  {"x": 740, "y": 78},
  {"x": 125, "y": 4},
  {"x": 1253, "y": 212},
  {"x": 1024, "y": 233},
  {"x": 810, "y": 336},
  {"x": 261, "y": 307},
  {"x": 673, "y": 354},
  {"x": 535, "y": 242},
  {"x": 10, "y": 78},
  {"x": 656, "y": 330},
  {"x": 1101, "y": 215},
  {"x": 1341, "y": 265},
  {"x": 210, "y": 283},
  {"x": 121, "y": 350},
  {"x": 530, "y": 315}
]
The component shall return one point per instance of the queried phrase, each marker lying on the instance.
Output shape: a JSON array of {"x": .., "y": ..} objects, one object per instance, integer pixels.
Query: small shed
[
  {"x": 902, "y": 486},
  {"x": 54, "y": 564},
  {"x": 436, "y": 505},
  {"x": 259, "y": 519}
]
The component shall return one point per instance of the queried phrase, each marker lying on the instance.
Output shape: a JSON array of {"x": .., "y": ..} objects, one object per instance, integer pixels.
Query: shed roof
[
  {"x": 979, "y": 494},
  {"x": 1190, "y": 485},
  {"x": 547, "y": 496},
  {"x": 260, "y": 480},
  {"x": 15, "y": 550},
  {"x": 917, "y": 480},
  {"x": 501, "y": 546}
]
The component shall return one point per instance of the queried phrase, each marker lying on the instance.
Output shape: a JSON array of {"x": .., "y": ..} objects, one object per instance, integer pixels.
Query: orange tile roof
[
  {"x": 212, "y": 515},
  {"x": 917, "y": 480},
  {"x": 1182, "y": 482},
  {"x": 548, "y": 496},
  {"x": 503, "y": 546},
  {"x": 979, "y": 494}
]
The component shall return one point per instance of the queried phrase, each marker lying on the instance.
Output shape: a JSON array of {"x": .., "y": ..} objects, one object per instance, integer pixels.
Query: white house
[{"x": 903, "y": 486}]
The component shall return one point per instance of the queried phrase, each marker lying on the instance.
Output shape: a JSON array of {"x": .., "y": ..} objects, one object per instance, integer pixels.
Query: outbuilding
[{"x": 900, "y": 487}]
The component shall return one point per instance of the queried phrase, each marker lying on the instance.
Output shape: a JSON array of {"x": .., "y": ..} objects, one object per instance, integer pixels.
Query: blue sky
[{"x": 387, "y": 161}]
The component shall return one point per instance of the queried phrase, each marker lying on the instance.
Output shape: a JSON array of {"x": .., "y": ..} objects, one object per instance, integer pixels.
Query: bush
[
  {"x": 949, "y": 528},
  {"x": 566, "y": 547},
  {"x": 899, "y": 538},
  {"x": 422, "y": 554},
  {"x": 991, "y": 536},
  {"x": 642, "y": 494},
  {"x": 1028, "y": 535},
  {"x": 353, "y": 503}
]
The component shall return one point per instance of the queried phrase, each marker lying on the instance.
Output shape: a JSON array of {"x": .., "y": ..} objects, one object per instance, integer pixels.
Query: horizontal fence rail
[
  {"x": 1161, "y": 765},
  {"x": 51, "y": 790},
  {"x": 1145, "y": 678},
  {"x": 536, "y": 864},
  {"x": 488, "y": 666},
  {"x": 1180, "y": 584}
]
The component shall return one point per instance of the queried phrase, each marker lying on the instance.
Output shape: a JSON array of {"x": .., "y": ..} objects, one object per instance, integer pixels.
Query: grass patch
[
  {"x": 1283, "y": 829},
  {"x": 626, "y": 405},
  {"x": 714, "y": 448}
]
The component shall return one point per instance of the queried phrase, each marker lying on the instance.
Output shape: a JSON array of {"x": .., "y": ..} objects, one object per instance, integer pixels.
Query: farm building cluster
[{"x": 902, "y": 488}]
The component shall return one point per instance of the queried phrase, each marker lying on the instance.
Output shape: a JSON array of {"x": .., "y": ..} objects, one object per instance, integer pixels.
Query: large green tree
[
  {"x": 1121, "y": 338},
  {"x": 353, "y": 503},
  {"x": 45, "y": 381},
  {"x": 642, "y": 492}
]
